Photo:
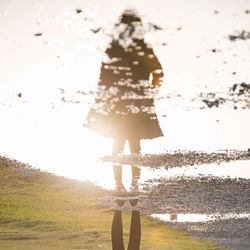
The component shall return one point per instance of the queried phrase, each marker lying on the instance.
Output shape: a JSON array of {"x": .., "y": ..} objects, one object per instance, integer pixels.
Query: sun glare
[{"x": 51, "y": 69}]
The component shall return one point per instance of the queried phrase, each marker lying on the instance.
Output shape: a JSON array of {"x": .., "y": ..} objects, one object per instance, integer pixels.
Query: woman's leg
[
  {"x": 118, "y": 147},
  {"x": 135, "y": 148},
  {"x": 134, "y": 145}
]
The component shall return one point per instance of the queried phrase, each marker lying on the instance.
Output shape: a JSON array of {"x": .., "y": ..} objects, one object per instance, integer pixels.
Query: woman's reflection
[
  {"x": 135, "y": 226},
  {"x": 135, "y": 148},
  {"x": 124, "y": 107}
]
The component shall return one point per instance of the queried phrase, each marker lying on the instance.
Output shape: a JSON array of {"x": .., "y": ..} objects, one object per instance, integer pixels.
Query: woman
[{"x": 124, "y": 107}]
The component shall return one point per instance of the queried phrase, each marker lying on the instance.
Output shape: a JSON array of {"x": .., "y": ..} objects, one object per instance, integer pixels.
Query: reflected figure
[
  {"x": 135, "y": 226},
  {"x": 173, "y": 217},
  {"x": 124, "y": 107}
]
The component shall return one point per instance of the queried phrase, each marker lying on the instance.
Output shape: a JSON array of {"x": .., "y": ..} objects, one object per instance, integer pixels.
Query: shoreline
[{"x": 40, "y": 210}]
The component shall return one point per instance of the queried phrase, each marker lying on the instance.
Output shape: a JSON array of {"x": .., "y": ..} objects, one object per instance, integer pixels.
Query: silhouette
[
  {"x": 135, "y": 226},
  {"x": 124, "y": 106}
]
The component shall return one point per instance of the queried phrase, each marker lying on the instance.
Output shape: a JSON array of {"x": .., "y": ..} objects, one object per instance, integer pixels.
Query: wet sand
[
  {"x": 216, "y": 197},
  {"x": 180, "y": 158},
  {"x": 206, "y": 206}
]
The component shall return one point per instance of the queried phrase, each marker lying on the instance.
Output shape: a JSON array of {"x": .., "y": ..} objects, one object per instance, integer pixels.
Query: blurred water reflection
[
  {"x": 50, "y": 71},
  {"x": 194, "y": 218},
  {"x": 105, "y": 178}
]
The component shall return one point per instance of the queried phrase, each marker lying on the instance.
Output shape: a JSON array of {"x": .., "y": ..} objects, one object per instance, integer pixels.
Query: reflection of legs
[
  {"x": 118, "y": 177},
  {"x": 134, "y": 145},
  {"x": 135, "y": 227},
  {"x": 136, "y": 173},
  {"x": 118, "y": 147},
  {"x": 117, "y": 232},
  {"x": 135, "y": 148}
]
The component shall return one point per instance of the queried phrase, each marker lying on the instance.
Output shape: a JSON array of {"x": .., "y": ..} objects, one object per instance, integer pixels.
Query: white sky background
[
  {"x": 27, "y": 60},
  {"x": 68, "y": 56}
]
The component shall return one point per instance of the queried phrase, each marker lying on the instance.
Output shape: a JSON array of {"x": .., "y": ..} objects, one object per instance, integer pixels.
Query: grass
[{"x": 41, "y": 211}]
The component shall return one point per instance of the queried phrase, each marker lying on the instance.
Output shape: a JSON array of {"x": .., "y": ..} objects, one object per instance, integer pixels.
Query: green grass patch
[{"x": 41, "y": 211}]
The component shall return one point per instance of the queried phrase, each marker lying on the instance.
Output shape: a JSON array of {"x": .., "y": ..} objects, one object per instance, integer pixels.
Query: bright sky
[{"x": 68, "y": 56}]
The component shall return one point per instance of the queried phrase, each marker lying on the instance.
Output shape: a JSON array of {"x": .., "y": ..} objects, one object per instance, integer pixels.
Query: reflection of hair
[
  {"x": 128, "y": 28},
  {"x": 129, "y": 16}
]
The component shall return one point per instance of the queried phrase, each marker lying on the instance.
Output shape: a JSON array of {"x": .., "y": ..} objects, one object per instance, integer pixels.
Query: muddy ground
[
  {"x": 224, "y": 198},
  {"x": 204, "y": 196}
]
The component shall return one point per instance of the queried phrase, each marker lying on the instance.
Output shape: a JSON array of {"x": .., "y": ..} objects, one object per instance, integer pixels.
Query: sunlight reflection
[
  {"x": 194, "y": 218},
  {"x": 55, "y": 141},
  {"x": 42, "y": 130}
]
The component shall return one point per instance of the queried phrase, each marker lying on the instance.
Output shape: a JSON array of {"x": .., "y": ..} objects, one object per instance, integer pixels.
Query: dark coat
[{"x": 124, "y": 106}]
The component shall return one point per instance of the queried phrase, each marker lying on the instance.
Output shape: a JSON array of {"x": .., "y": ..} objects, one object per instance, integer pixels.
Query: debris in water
[
  {"x": 237, "y": 96},
  {"x": 38, "y": 34},
  {"x": 214, "y": 103},
  {"x": 155, "y": 27},
  {"x": 243, "y": 35},
  {"x": 78, "y": 11},
  {"x": 96, "y": 30}
]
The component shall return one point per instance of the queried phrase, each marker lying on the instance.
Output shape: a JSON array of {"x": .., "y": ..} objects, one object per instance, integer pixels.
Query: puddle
[
  {"x": 195, "y": 218},
  {"x": 101, "y": 174},
  {"x": 83, "y": 166},
  {"x": 72, "y": 151},
  {"x": 236, "y": 169}
]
